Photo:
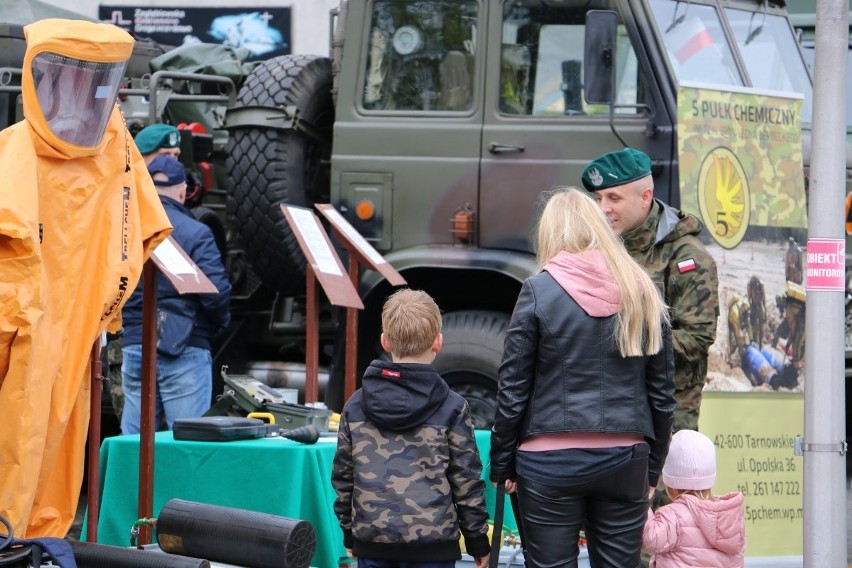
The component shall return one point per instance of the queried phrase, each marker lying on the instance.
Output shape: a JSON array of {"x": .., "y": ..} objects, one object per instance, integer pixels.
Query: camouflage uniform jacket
[
  {"x": 407, "y": 471},
  {"x": 667, "y": 245}
]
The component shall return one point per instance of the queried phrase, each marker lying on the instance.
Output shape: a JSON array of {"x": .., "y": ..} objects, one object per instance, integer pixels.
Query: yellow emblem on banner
[{"x": 723, "y": 197}]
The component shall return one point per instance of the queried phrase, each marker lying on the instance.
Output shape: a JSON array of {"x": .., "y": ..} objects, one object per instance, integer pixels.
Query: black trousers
[{"x": 612, "y": 509}]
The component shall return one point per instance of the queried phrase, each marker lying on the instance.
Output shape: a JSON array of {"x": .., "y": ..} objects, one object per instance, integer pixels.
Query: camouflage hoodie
[
  {"x": 407, "y": 471},
  {"x": 667, "y": 245}
]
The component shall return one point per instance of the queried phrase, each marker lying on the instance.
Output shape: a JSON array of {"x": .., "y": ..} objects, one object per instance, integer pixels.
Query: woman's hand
[{"x": 510, "y": 484}]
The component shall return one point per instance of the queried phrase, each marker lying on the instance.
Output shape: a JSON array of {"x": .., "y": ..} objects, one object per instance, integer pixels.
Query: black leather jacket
[{"x": 562, "y": 372}]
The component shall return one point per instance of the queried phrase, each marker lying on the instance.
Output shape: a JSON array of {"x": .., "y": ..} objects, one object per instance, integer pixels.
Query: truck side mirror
[{"x": 599, "y": 56}]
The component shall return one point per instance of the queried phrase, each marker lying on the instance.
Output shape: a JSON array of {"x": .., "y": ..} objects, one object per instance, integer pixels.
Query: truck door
[
  {"x": 538, "y": 131},
  {"x": 409, "y": 145}
]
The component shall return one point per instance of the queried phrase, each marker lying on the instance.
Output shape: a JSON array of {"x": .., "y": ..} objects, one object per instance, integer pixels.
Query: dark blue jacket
[{"x": 211, "y": 311}]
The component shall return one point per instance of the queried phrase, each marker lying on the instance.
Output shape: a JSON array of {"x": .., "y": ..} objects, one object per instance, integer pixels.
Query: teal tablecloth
[
  {"x": 275, "y": 476},
  {"x": 271, "y": 475},
  {"x": 483, "y": 442}
]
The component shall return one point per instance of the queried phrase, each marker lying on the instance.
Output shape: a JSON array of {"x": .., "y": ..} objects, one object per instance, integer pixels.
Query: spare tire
[{"x": 268, "y": 167}]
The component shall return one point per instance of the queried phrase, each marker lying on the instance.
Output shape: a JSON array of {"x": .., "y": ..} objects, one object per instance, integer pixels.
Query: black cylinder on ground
[
  {"x": 90, "y": 555},
  {"x": 235, "y": 536}
]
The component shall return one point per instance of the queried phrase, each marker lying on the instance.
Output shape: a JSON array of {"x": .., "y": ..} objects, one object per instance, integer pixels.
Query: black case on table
[{"x": 218, "y": 428}]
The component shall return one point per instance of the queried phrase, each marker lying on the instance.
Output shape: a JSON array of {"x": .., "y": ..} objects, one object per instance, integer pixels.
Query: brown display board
[
  {"x": 180, "y": 270},
  {"x": 360, "y": 251},
  {"x": 323, "y": 265}
]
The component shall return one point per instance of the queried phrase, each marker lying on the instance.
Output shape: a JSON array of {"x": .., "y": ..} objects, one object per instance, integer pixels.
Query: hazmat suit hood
[{"x": 69, "y": 85}]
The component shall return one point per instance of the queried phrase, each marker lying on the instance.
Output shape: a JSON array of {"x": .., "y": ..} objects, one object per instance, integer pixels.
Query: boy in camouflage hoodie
[{"x": 407, "y": 471}]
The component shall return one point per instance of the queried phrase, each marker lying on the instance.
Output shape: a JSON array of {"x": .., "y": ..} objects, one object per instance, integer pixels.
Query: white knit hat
[{"x": 691, "y": 463}]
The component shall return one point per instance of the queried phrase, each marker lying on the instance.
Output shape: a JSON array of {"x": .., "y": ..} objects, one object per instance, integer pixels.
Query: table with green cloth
[{"x": 269, "y": 475}]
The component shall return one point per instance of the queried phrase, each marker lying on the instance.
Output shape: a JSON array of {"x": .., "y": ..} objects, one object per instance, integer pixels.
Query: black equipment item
[
  {"x": 304, "y": 434},
  {"x": 211, "y": 531},
  {"x": 90, "y": 555},
  {"x": 218, "y": 428}
]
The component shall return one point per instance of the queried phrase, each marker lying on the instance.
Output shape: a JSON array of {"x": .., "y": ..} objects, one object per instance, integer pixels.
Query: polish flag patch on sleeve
[
  {"x": 389, "y": 373},
  {"x": 686, "y": 265}
]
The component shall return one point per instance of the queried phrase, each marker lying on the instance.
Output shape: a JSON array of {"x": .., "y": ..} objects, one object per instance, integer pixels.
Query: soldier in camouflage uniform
[
  {"x": 664, "y": 241},
  {"x": 407, "y": 471},
  {"x": 793, "y": 262}
]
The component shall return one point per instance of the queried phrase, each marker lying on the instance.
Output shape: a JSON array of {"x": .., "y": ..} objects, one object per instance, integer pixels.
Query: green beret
[
  {"x": 616, "y": 168},
  {"x": 157, "y": 136}
]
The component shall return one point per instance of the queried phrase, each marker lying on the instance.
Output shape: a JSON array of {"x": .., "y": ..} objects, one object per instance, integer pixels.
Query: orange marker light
[
  {"x": 365, "y": 210},
  {"x": 462, "y": 224}
]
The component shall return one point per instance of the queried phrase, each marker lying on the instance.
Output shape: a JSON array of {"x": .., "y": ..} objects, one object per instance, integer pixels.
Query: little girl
[{"x": 696, "y": 529}]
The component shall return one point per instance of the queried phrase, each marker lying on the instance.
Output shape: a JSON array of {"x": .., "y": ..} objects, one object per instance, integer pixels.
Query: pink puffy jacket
[{"x": 697, "y": 532}]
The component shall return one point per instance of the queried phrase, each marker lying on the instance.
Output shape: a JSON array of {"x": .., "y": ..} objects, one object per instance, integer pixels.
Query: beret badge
[{"x": 595, "y": 177}]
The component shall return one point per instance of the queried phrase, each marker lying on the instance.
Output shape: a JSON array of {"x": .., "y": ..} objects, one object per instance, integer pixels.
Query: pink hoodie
[
  {"x": 585, "y": 276},
  {"x": 697, "y": 532}
]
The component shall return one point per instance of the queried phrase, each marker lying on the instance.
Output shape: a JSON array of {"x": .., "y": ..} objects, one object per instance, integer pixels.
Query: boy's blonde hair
[
  {"x": 411, "y": 321},
  {"x": 572, "y": 221}
]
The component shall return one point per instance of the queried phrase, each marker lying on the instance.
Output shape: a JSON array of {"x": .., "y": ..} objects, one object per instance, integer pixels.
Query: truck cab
[{"x": 452, "y": 118}]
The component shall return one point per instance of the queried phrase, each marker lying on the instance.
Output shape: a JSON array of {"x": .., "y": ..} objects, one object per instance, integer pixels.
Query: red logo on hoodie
[{"x": 389, "y": 373}]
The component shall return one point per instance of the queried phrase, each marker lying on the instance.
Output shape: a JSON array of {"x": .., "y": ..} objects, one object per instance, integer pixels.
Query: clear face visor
[{"x": 76, "y": 97}]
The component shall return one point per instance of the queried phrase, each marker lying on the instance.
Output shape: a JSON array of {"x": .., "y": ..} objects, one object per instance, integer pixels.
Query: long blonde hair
[{"x": 571, "y": 221}]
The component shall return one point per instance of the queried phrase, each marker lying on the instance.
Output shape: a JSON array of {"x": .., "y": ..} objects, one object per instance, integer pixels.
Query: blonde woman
[{"x": 585, "y": 401}]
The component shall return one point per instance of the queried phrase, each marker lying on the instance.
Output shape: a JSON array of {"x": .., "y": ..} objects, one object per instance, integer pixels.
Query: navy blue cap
[{"x": 166, "y": 164}]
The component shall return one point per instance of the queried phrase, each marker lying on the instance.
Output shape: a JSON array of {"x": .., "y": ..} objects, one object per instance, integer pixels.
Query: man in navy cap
[
  {"x": 157, "y": 139},
  {"x": 186, "y": 323},
  {"x": 664, "y": 241},
  {"x": 152, "y": 141}
]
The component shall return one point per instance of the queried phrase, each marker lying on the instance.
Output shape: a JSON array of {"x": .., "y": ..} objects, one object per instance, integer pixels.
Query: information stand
[
  {"x": 93, "y": 459},
  {"x": 360, "y": 252},
  {"x": 173, "y": 262},
  {"x": 323, "y": 265}
]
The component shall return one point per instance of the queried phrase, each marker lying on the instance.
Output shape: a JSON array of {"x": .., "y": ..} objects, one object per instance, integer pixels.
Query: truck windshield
[
  {"x": 699, "y": 51},
  {"x": 771, "y": 54},
  {"x": 695, "y": 43}
]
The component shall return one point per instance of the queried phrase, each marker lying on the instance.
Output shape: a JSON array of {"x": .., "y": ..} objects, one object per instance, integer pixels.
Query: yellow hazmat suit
[{"x": 78, "y": 217}]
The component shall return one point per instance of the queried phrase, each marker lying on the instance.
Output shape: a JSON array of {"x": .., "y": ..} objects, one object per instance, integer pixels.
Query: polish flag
[
  {"x": 686, "y": 265},
  {"x": 689, "y": 39}
]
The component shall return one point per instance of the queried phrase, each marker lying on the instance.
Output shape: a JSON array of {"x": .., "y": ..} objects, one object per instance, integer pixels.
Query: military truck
[{"x": 433, "y": 127}]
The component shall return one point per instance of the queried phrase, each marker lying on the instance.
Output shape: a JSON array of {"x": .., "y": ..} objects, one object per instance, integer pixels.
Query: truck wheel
[
  {"x": 268, "y": 167},
  {"x": 470, "y": 359}
]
